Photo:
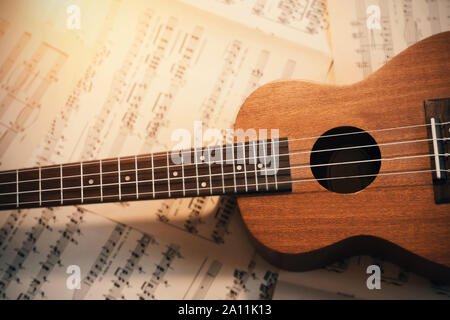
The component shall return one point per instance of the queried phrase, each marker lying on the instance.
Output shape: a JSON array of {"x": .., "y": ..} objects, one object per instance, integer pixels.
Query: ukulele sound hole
[{"x": 331, "y": 168}]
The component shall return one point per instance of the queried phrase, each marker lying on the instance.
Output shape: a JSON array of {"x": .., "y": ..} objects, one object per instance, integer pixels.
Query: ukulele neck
[{"x": 239, "y": 169}]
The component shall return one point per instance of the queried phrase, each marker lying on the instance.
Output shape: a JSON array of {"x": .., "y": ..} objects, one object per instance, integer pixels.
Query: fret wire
[
  {"x": 274, "y": 164},
  {"x": 61, "y": 182},
  {"x": 110, "y": 196},
  {"x": 209, "y": 163},
  {"x": 136, "y": 180},
  {"x": 291, "y": 181},
  {"x": 113, "y": 172},
  {"x": 17, "y": 188},
  {"x": 283, "y": 182},
  {"x": 101, "y": 181},
  {"x": 119, "y": 177},
  {"x": 168, "y": 173},
  {"x": 265, "y": 165},
  {"x": 153, "y": 177},
  {"x": 111, "y": 184},
  {"x": 221, "y": 166},
  {"x": 40, "y": 187},
  {"x": 81, "y": 180},
  {"x": 245, "y": 168},
  {"x": 110, "y": 172},
  {"x": 234, "y": 172},
  {"x": 153, "y": 180},
  {"x": 71, "y": 199},
  {"x": 196, "y": 171},
  {"x": 143, "y": 181},
  {"x": 182, "y": 174},
  {"x": 256, "y": 171}
]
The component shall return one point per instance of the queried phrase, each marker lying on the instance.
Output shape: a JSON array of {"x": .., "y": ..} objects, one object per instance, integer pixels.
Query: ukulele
[{"x": 359, "y": 169}]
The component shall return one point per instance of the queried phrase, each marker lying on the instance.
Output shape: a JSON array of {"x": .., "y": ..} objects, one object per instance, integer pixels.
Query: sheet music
[
  {"x": 121, "y": 91},
  {"x": 359, "y": 51},
  {"x": 121, "y": 263},
  {"x": 346, "y": 279},
  {"x": 303, "y": 21},
  {"x": 106, "y": 90}
]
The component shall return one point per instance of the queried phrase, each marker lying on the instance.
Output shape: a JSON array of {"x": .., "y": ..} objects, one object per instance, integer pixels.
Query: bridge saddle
[{"x": 437, "y": 116}]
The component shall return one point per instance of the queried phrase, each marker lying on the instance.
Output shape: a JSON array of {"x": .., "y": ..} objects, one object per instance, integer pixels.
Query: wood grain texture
[{"x": 290, "y": 229}]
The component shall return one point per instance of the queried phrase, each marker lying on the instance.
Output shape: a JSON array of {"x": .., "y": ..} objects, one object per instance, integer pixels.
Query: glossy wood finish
[{"x": 309, "y": 228}]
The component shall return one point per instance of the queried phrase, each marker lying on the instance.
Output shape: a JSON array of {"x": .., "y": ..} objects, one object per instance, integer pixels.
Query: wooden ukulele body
[{"x": 396, "y": 216}]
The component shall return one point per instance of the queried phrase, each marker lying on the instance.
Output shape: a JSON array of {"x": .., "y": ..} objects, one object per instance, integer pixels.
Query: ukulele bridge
[{"x": 437, "y": 116}]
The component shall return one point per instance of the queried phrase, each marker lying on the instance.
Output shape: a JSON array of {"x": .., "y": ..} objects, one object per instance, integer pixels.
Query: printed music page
[
  {"x": 358, "y": 52},
  {"x": 107, "y": 91},
  {"x": 118, "y": 84},
  {"x": 347, "y": 279},
  {"x": 365, "y": 34},
  {"x": 304, "y": 22}
]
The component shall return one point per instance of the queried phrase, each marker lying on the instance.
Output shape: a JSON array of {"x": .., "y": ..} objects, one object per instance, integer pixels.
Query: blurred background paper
[
  {"x": 359, "y": 51},
  {"x": 82, "y": 80},
  {"x": 347, "y": 279},
  {"x": 302, "y": 22}
]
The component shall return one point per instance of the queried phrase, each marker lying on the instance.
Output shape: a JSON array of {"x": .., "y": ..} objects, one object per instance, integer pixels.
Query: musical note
[
  {"x": 26, "y": 248},
  {"x": 128, "y": 95},
  {"x": 124, "y": 273},
  {"x": 67, "y": 235},
  {"x": 178, "y": 74},
  {"x": 101, "y": 261},
  {"x": 359, "y": 51},
  {"x": 149, "y": 287},
  {"x": 303, "y": 22},
  {"x": 23, "y": 106},
  {"x": 12, "y": 222}
]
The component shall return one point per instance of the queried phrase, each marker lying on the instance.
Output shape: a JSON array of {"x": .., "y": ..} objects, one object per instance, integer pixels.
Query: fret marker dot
[
  {"x": 260, "y": 165},
  {"x": 202, "y": 158},
  {"x": 127, "y": 178},
  {"x": 239, "y": 167},
  {"x": 91, "y": 181},
  {"x": 203, "y": 184},
  {"x": 175, "y": 173}
]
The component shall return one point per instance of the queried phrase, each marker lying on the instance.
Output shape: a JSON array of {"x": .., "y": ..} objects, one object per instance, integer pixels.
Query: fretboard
[{"x": 241, "y": 168}]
